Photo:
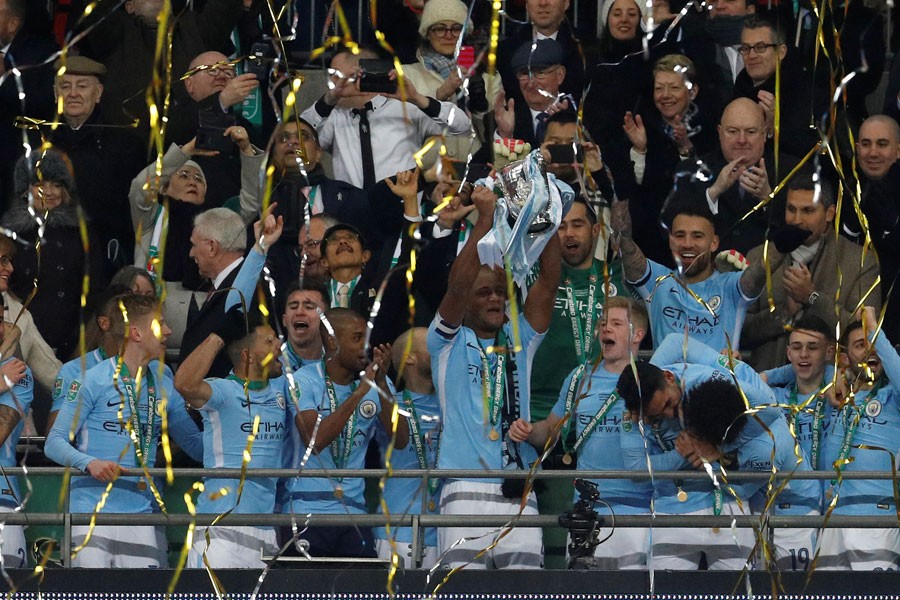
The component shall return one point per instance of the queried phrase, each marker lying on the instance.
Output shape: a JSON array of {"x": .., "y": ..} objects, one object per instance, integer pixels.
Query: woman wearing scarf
[
  {"x": 672, "y": 130},
  {"x": 436, "y": 74}
]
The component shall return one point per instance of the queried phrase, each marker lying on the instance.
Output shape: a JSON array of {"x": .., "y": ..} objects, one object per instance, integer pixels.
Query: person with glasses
[
  {"x": 764, "y": 52},
  {"x": 436, "y": 73},
  {"x": 215, "y": 92},
  {"x": 546, "y": 20},
  {"x": 539, "y": 75}
]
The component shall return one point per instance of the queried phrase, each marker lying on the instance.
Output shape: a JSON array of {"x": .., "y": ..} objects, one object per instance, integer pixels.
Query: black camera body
[
  {"x": 564, "y": 154},
  {"x": 583, "y": 523}
]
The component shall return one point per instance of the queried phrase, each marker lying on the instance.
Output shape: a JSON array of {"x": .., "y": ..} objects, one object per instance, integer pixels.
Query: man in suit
[
  {"x": 376, "y": 213},
  {"x": 218, "y": 243},
  {"x": 808, "y": 281},
  {"x": 745, "y": 176},
  {"x": 20, "y": 49},
  {"x": 548, "y": 21},
  {"x": 540, "y": 73}
]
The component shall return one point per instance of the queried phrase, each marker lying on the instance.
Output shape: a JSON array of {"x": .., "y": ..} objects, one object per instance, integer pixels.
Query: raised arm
[
  {"x": 634, "y": 262},
  {"x": 542, "y": 294},
  {"x": 266, "y": 231},
  {"x": 466, "y": 266},
  {"x": 189, "y": 377}
]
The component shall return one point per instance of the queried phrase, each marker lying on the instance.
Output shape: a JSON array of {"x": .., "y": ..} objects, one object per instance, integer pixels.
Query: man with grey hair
[{"x": 218, "y": 242}]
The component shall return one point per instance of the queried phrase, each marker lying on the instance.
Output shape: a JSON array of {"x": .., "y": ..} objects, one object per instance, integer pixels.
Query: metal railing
[{"x": 418, "y": 522}]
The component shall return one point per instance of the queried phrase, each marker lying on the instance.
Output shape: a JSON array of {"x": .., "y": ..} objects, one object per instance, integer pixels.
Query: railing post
[
  {"x": 66, "y": 549},
  {"x": 417, "y": 547}
]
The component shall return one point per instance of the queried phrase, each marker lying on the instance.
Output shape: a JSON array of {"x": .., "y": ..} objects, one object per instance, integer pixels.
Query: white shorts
[
  {"x": 626, "y": 549},
  {"x": 680, "y": 549},
  {"x": 116, "y": 547},
  {"x": 520, "y": 548},
  {"x": 232, "y": 547},
  {"x": 859, "y": 549},
  {"x": 794, "y": 547},
  {"x": 404, "y": 552},
  {"x": 15, "y": 555}
]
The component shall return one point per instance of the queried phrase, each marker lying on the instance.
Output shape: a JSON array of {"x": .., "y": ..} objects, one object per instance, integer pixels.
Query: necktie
[
  {"x": 540, "y": 127},
  {"x": 343, "y": 296},
  {"x": 365, "y": 144}
]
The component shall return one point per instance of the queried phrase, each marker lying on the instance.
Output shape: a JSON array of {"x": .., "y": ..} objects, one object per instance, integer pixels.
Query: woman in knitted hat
[
  {"x": 45, "y": 182},
  {"x": 436, "y": 74}
]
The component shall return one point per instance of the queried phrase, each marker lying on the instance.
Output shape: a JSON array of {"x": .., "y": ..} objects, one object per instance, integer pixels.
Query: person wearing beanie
[
  {"x": 171, "y": 206},
  {"x": 45, "y": 183},
  {"x": 436, "y": 73},
  {"x": 86, "y": 137}
]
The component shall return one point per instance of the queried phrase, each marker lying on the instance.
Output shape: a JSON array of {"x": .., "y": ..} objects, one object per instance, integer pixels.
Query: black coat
[
  {"x": 24, "y": 51},
  {"x": 59, "y": 269},
  {"x": 378, "y": 215},
  {"x": 127, "y": 45},
  {"x": 881, "y": 206},
  {"x": 209, "y": 319},
  {"x": 103, "y": 183},
  {"x": 749, "y": 233},
  {"x": 575, "y": 72}
]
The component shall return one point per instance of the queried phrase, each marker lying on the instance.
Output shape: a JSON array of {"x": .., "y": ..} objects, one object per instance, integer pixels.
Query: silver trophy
[{"x": 517, "y": 182}]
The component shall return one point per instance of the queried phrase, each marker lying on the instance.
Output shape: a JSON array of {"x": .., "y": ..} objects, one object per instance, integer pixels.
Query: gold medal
[
  {"x": 567, "y": 459},
  {"x": 681, "y": 495},
  {"x": 715, "y": 530},
  {"x": 431, "y": 505},
  {"x": 494, "y": 435},
  {"x": 338, "y": 492},
  {"x": 142, "y": 485}
]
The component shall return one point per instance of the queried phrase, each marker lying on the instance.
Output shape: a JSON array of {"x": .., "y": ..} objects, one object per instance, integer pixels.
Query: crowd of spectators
[{"x": 238, "y": 269}]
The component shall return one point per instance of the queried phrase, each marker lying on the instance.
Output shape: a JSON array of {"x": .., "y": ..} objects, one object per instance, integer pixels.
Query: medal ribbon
[
  {"x": 583, "y": 335},
  {"x": 818, "y": 415},
  {"x": 419, "y": 441},
  {"x": 493, "y": 385},
  {"x": 341, "y": 455},
  {"x": 570, "y": 405},
  {"x": 144, "y": 434}
]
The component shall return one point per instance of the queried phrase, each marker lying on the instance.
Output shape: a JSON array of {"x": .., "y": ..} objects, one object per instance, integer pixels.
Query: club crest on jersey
[
  {"x": 714, "y": 302},
  {"x": 279, "y": 400},
  {"x": 73, "y": 391},
  {"x": 368, "y": 408},
  {"x": 873, "y": 408}
]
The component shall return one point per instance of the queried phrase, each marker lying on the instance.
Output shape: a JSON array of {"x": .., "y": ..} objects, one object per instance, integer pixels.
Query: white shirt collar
[
  {"x": 225, "y": 272},
  {"x": 540, "y": 36}
]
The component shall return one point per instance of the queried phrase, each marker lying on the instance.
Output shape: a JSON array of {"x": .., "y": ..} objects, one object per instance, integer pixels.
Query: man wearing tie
[
  {"x": 348, "y": 120},
  {"x": 218, "y": 242},
  {"x": 540, "y": 73}
]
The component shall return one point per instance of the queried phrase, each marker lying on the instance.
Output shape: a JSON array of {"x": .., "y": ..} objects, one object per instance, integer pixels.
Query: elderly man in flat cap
[
  {"x": 540, "y": 73},
  {"x": 104, "y": 157}
]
